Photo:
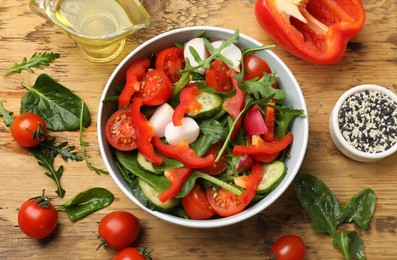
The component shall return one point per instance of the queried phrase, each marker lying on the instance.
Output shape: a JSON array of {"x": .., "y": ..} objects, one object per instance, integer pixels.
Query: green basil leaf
[
  {"x": 360, "y": 208},
  {"x": 350, "y": 245},
  {"x": 86, "y": 202},
  {"x": 319, "y": 203},
  {"x": 57, "y": 105}
]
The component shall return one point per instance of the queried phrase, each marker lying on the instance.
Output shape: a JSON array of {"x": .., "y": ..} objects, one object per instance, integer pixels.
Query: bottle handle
[{"x": 38, "y": 7}]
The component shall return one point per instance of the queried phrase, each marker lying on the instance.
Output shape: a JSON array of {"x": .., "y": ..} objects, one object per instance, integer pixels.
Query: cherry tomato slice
[
  {"x": 216, "y": 77},
  {"x": 28, "y": 129},
  {"x": 218, "y": 167},
  {"x": 288, "y": 247},
  {"x": 255, "y": 66},
  {"x": 224, "y": 202},
  {"x": 170, "y": 61},
  {"x": 196, "y": 204},
  {"x": 156, "y": 88},
  {"x": 120, "y": 131}
]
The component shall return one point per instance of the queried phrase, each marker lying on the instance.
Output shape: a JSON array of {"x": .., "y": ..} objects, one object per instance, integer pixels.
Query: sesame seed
[{"x": 368, "y": 121}]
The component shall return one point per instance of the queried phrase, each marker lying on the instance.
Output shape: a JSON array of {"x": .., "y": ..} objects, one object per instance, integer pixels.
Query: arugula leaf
[
  {"x": 284, "y": 117},
  {"x": 84, "y": 144},
  {"x": 66, "y": 152},
  {"x": 57, "y": 105},
  {"x": 8, "y": 119},
  {"x": 263, "y": 87},
  {"x": 38, "y": 60},
  {"x": 46, "y": 160}
]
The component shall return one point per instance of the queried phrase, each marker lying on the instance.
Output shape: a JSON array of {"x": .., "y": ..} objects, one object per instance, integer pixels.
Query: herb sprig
[{"x": 38, "y": 60}]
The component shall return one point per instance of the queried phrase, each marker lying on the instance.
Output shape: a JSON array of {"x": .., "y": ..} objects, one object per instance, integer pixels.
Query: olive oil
[{"x": 91, "y": 18}]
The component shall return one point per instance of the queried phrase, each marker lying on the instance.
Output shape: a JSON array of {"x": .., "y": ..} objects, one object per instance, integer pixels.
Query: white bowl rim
[
  {"x": 247, "y": 213},
  {"x": 355, "y": 153}
]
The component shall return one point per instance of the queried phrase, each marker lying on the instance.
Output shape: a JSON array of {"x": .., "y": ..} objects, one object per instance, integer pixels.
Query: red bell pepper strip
[
  {"x": 144, "y": 133},
  {"x": 251, "y": 183},
  {"x": 260, "y": 147},
  {"x": 183, "y": 153},
  {"x": 235, "y": 104},
  {"x": 134, "y": 75},
  {"x": 314, "y": 30},
  {"x": 188, "y": 103},
  {"x": 270, "y": 115},
  {"x": 176, "y": 177}
]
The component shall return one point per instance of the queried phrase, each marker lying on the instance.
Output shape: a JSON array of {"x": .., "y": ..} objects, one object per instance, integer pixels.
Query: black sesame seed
[{"x": 368, "y": 121}]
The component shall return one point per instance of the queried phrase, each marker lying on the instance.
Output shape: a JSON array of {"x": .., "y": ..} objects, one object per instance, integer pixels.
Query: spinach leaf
[
  {"x": 57, "y": 105},
  {"x": 350, "y": 245},
  {"x": 86, "y": 202},
  {"x": 319, "y": 202},
  {"x": 360, "y": 208}
]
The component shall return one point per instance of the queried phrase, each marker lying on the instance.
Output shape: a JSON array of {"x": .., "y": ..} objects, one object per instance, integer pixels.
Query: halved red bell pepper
[
  {"x": 235, "y": 104},
  {"x": 260, "y": 147},
  {"x": 176, "y": 177},
  {"x": 183, "y": 153},
  {"x": 144, "y": 133},
  {"x": 134, "y": 75},
  {"x": 188, "y": 103},
  {"x": 315, "y": 30}
]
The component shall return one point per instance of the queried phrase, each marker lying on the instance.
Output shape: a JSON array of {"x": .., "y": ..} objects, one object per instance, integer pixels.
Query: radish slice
[
  {"x": 244, "y": 163},
  {"x": 254, "y": 124},
  {"x": 233, "y": 53},
  {"x": 189, "y": 131},
  {"x": 160, "y": 119},
  {"x": 199, "y": 46}
]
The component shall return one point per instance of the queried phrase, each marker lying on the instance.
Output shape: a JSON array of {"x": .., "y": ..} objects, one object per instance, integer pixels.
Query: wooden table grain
[{"x": 371, "y": 57}]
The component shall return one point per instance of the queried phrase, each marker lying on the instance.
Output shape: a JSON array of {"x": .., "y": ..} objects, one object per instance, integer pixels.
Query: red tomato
[
  {"x": 119, "y": 229},
  {"x": 196, "y": 204},
  {"x": 254, "y": 67},
  {"x": 216, "y": 77},
  {"x": 120, "y": 132},
  {"x": 37, "y": 221},
  {"x": 288, "y": 247},
  {"x": 218, "y": 167},
  {"x": 156, "y": 88},
  {"x": 28, "y": 129},
  {"x": 132, "y": 253},
  {"x": 224, "y": 202},
  {"x": 170, "y": 61}
]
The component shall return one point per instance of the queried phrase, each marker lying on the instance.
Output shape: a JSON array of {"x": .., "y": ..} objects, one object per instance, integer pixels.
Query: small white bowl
[
  {"x": 339, "y": 140},
  {"x": 286, "y": 81}
]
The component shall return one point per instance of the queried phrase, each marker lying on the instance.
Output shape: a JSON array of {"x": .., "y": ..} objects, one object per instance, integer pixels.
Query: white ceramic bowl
[
  {"x": 341, "y": 143},
  {"x": 286, "y": 82}
]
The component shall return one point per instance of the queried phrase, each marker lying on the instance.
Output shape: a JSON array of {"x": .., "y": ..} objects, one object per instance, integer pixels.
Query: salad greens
[
  {"x": 57, "y": 105},
  {"x": 38, "y": 60},
  {"x": 327, "y": 214}
]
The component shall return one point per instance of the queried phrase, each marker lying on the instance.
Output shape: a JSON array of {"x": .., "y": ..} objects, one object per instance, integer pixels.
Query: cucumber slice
[
  {"x": 210, "y": 104},
  {"x": 152, "y": 202},
  {"x": 273, "y": 173},
  {"x": 145, "y": 164}
]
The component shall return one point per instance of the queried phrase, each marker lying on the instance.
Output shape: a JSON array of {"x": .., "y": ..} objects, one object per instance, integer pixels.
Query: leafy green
[
  {"x": 66, "y": 152},
  {"x": 84, "y": 144},
  {"x": 263, "y": 87},
  {"x": 284, "y": 118},
  {"x": 6, "y": 115},
  {"x": 326, "y": 213},
  {"x": 57, "y": 105},
  {"x": 38, "y": 60},
  {"x": 86, "y": 202},
  {"x": 47, "y": 161}
]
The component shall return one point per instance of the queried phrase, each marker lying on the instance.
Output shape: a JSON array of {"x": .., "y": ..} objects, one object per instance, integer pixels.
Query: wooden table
[{"x": 371, "y": 58}]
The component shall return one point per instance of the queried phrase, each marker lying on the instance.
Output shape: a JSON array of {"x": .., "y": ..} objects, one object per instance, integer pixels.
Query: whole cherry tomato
[
  {"x": 255, "y": 66},
  {"x": 132, "y": 253},
  {"x": 118, "y": 229},
  {"x": 28, "y": 129},
  {"x": 288, "y": 247},
  {"x": 37, "y": 217}
]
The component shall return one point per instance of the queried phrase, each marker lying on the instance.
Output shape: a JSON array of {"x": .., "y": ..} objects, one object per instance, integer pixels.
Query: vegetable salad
[{"x": 201, "y": 131}]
